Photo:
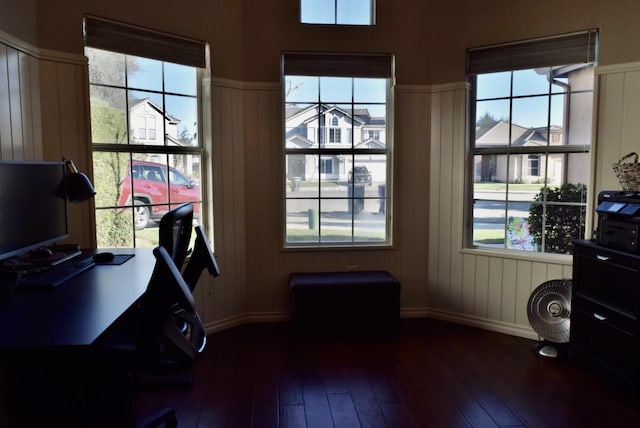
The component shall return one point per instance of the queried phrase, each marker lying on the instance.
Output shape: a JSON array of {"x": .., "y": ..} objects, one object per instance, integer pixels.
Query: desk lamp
[{"x": 79, "y": 187}]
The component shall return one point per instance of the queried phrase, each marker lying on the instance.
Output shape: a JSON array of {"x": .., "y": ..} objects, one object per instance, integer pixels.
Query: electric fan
[{"x": 549, "y": 311}]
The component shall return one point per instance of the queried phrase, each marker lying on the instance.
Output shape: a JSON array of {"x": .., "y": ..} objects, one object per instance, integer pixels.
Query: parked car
[
  {"x": 153, "y": 185},
  {"x": 361, "y": 174}
]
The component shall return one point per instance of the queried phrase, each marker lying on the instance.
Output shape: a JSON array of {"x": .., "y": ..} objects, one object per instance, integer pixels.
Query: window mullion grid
[
  {"x": 164, "y": 131},
  {"x": 509, "y": 157},
  {"x": 130, "y": 154},
  {"x": 545, "y": 185},
  {"x": 321, "y": 142},
  {"x": 353, "y": 165}
]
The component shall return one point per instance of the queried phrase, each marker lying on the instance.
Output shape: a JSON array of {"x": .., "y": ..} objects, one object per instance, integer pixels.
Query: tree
[
  {"x": 486, "y": 121},
  {"x": 109, "y": 68},
  {"x": 108, "y": 125},
  {"x": 560, "y": 224},
  {"x": 290, "y": 87}
]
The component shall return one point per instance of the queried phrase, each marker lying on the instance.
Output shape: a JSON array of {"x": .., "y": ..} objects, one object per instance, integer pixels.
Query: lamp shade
[{"x": 79, "y": 187}]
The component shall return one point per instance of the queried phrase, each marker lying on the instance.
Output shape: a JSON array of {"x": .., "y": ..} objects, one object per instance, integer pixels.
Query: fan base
[{"x": 551, "y": 350}]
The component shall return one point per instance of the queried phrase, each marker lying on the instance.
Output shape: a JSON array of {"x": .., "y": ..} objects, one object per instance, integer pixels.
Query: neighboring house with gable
[
  {"x": 522, "y": 168},
  {"x": 526, "y": 164},
  {"x": 332, "y": 127},
  {"x": 146, "y": 127},
  {"x": 145, "y": 123}
]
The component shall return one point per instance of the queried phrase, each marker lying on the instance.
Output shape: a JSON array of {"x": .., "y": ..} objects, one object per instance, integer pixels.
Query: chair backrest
[
  {"x": 174, "y": 232},
  {"x": 201, "y": 258},
  {"x": 162, "y": 336}
]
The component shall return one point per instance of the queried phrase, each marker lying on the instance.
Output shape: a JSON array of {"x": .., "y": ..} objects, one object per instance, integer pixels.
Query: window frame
[
  {"x": 304, "y": 62},
  {"x": 134, "y": 41},
  {"x": 335, "y": 14},
  {"x": 574, "y": 48}
]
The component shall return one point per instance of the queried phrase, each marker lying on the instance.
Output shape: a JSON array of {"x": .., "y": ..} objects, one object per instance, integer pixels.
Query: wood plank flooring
[{"x": 433, "y": 374}]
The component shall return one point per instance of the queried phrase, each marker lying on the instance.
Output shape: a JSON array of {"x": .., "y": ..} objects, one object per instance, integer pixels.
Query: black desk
[
  {"x": 77, "y": 312},
  {"x": 50, "y": 373}
]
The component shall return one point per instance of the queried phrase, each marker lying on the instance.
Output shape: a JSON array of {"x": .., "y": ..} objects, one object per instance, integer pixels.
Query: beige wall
[
  {"x": 19, "y": 18},
  {"x": 428, "y": 37},
  {"x": 246, "y": 38}
]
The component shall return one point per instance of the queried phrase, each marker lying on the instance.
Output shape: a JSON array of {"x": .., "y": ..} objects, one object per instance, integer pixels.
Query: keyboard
[{"x": 57, "y": 275}]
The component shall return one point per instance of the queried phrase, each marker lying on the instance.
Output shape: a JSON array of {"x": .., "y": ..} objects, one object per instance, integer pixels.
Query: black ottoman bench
[{"x": 354, "y": 302}]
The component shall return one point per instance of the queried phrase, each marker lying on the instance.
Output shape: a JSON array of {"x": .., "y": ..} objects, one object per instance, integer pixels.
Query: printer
[{"x": 618, "y": 220}]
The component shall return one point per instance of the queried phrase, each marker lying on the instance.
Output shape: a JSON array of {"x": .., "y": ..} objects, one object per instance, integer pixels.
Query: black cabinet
[{"x": 605, "y": 307}]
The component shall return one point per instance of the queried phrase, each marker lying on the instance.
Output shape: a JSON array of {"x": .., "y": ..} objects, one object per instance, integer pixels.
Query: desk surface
[{"x": 77, "y": 312}]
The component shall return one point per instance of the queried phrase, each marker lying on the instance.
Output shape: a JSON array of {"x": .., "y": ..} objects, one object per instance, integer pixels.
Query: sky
[
  {"x": 339, "y": 90},
  {"x": 354, "y": 12},
  {"x": 529, "y": 111}
]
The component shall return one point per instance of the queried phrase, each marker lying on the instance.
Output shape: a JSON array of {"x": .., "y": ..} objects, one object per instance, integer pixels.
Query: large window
[
  {"x": 337, "y": 182},
  {"x": 337, "y": 12},
  {"x": 529, "y": 157},
  {"x": 145, "y": 115}
]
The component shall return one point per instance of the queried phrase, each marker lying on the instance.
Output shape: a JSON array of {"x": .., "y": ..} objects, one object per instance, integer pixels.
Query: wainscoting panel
[
  {"x": 226, "y": 295},
  {"x": 19, "y": 105},
  {"x": 64, "y": 95},
  {"x": 618, "y": 127},
  {"x": 44, "y": 116},
  {"x": 411, "y": 204},
  {"x": 485, "y": 289},
  {"x": 267, "y": 275}
]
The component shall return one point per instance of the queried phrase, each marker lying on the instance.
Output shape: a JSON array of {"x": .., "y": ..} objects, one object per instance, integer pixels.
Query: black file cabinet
[{"x": 605, "y": 307}]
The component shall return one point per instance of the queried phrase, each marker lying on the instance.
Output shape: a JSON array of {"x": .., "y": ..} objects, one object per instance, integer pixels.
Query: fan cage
[{"x": 549, "y": 310}]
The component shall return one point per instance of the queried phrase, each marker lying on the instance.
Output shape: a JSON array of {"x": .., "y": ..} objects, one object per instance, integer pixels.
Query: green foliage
[
  {"x": 108, "y": 125},
  {"x": 486, "y": 121},
  {"x": 114, "y": 228},
  {"x": 562, "y": 223}
]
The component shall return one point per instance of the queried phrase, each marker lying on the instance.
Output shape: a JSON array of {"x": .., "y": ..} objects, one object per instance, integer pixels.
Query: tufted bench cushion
[{"x": 345, "y": 302}]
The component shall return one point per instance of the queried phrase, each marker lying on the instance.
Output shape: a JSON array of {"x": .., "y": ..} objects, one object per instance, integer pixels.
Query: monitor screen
[{"x": 33, "y": 206}]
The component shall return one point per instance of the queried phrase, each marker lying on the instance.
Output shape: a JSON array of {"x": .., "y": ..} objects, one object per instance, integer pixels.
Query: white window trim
[{"x": 496, "y": 56}]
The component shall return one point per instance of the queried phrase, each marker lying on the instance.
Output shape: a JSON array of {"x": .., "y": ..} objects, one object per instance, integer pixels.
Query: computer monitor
[
  {"x": 175, "y": 232},
  {"x": 33, "y": 206}
]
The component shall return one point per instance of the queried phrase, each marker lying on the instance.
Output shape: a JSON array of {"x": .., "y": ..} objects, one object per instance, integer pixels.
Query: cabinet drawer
[
  {"x": 608, "y": 277},
  {"x": 607, "y": 337}
]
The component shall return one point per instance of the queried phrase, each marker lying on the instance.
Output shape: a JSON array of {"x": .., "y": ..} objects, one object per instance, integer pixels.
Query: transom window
[
  {"x": 529, "y": 157},
  {"x": 336, "y": 179},
  {"x": 337, "y": 12}
]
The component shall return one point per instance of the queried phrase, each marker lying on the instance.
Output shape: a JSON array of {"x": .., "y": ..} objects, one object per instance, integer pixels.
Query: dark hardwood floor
[{"x": 433, "y": 374}]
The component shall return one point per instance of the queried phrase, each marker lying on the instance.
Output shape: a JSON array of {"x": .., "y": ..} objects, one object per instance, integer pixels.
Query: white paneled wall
[
  {"x": 618, "y": 130},
  {"x": 487, "y": 289},
  {"x": 484, "y": 289},
  {"x": 44, "y": 116},
  {"x": 20, "y": 135}
]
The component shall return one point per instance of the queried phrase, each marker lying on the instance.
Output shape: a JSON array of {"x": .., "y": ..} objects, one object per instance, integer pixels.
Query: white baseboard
[
  {"x": 248, "y": 318},
  {"x": 483, "y": 323},
  {"x": 472, "y": 321}
]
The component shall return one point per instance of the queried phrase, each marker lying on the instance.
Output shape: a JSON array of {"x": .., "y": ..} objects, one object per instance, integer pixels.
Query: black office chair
[
  {"x": 174, "y": 232},
  {"x": 201, "y": 258},
  {"x": 171, "y": 334},
  {"x": 164, "y": 345},
  {"x": 153, "y": 331}
]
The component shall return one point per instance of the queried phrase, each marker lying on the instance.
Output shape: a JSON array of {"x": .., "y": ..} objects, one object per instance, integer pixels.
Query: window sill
[
  {"x": 334, "y": 247},
  {"x": 562, "y": 259}
]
